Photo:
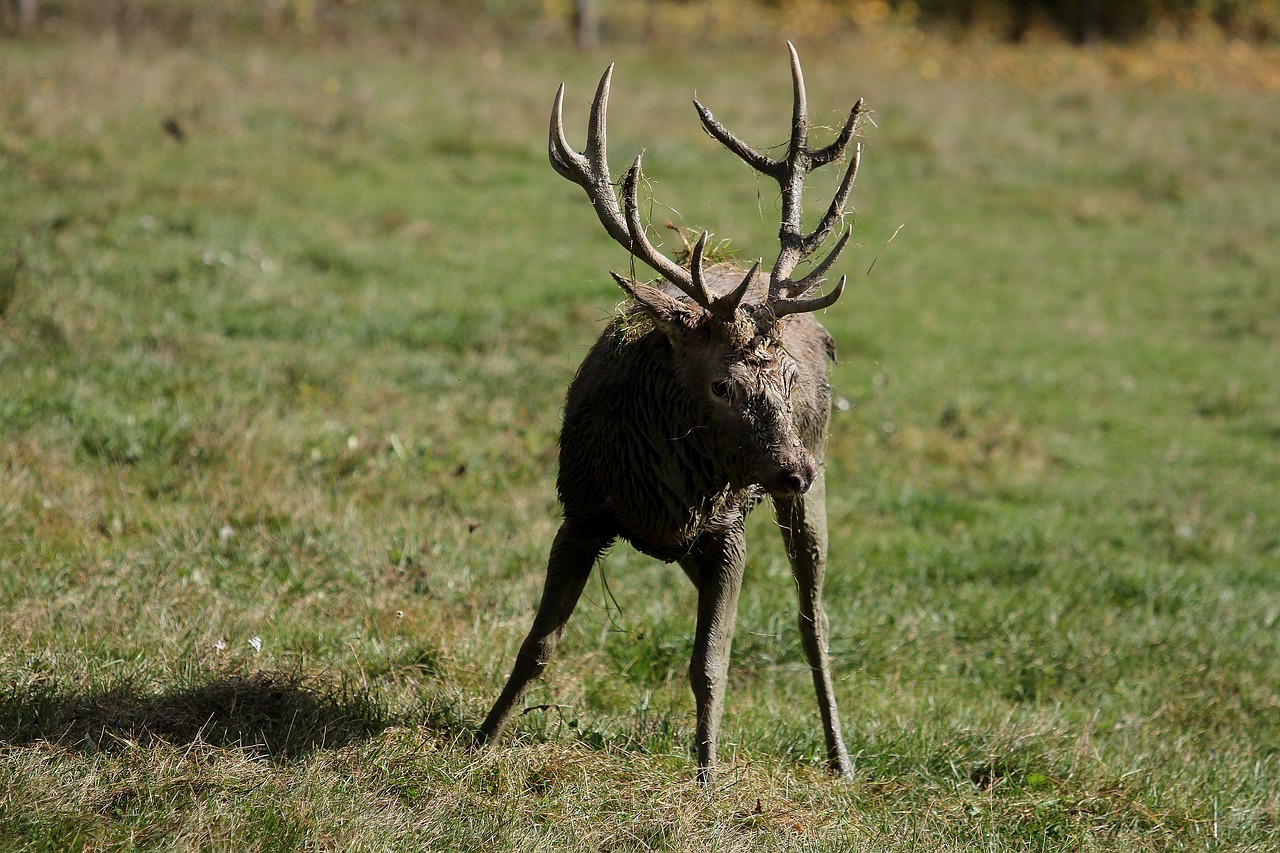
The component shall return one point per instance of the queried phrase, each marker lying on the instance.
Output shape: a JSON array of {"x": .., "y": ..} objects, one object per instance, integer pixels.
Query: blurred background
[{"x": 591, "y": 21}]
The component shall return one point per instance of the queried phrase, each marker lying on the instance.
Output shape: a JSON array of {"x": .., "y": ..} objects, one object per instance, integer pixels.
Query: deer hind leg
[
  {"x": 717, "y": 564},
  {"x": 804, "y": 531},
  {"x": 568, "y": 568}
]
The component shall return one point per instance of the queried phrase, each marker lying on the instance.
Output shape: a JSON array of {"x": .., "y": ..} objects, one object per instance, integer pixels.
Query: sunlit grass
[{"x": 278, "y": 409}]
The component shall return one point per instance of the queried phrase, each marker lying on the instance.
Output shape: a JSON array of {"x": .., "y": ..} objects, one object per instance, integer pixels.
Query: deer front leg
[
  {"x": 804, "y": 531},
  {"x": 717, "y": 563},
  {"x": 568, "y": 569}
]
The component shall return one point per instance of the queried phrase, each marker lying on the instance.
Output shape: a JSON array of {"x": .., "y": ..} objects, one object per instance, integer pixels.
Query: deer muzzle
[{"x": 793, "y": 478}]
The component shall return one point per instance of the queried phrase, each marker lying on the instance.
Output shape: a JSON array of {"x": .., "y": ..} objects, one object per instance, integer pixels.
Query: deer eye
[{"x": 722, "y": 389}]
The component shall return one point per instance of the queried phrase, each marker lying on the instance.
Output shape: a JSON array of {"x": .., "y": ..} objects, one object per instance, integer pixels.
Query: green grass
[{"x": 278, "y": 410}]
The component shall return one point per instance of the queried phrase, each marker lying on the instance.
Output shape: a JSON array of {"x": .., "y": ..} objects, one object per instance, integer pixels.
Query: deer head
[{"x": 726, "y": 327}]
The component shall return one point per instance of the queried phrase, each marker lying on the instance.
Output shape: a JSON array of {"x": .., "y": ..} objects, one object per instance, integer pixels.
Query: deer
[{"x": 708, "y": 393}]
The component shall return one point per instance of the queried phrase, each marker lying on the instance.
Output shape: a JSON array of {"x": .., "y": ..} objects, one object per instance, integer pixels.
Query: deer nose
[{"x": 797, "y": 480}]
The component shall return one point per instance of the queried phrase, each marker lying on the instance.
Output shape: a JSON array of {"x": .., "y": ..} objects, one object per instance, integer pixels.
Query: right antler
[{"x": 590, "y": 170}]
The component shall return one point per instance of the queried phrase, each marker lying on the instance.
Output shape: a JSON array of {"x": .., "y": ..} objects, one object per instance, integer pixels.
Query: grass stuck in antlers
[{"x": 278, "y": 411}]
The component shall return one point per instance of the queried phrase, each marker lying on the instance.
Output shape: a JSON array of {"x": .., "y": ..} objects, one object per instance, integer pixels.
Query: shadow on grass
[{"x": 273, "y": 715}]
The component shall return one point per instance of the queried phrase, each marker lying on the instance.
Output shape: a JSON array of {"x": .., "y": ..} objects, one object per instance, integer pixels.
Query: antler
[
  {"x": 785, "y": 295},
  {"x": 590, "y": 170}
]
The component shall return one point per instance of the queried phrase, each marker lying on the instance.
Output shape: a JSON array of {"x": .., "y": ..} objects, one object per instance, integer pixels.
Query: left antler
[
  {"x": 590, "y": 170},
  {"x": 785, "y": 295}
]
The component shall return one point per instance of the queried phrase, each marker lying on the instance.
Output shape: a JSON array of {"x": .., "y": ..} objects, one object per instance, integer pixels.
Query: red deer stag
[{"x": 707, "y": 394}]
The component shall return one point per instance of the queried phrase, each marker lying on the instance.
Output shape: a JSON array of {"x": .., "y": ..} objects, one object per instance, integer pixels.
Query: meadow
[{"x": 284, "y": 332}]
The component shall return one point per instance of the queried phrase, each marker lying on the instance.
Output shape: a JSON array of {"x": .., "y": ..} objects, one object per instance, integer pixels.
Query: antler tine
[
  {"x": 722, "y": 306},
  {"x": 731, "y": 301},
  {"x": 596, "y": 152},
  {"x": 558, "y": 150},
  {"x": 835, "y": 211},
  {"x": 760, "y": 162},
  {"x": 695, "y": 270},
  {"x": 835, "y": 150},
  {"x": 691, "y": 283},
  {"x": 800, "y": 105},
  {"x": 815, "y": 276},
  {"x": 783, "y": 307},
  {"x": 589, "y": 170}
]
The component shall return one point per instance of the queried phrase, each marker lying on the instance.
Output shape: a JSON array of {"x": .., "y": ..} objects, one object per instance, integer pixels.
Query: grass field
[{"x": 278, "y": 412}]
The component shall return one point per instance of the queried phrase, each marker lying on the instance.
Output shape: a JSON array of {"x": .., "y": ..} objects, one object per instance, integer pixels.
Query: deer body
[
  {"x": 638, "y": 459},
  {"x": 708, "y": 394}
]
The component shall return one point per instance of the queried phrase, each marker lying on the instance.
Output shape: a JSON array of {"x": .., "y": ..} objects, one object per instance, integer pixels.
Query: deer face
[
  {"x": 748, "y": 388},
  {"x": 751, "y": 408},
  {"x": 739, "y": 379}
]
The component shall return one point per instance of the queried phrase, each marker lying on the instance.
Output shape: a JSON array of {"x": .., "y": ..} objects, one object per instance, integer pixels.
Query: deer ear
[{"x": 671, "y": 314}]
